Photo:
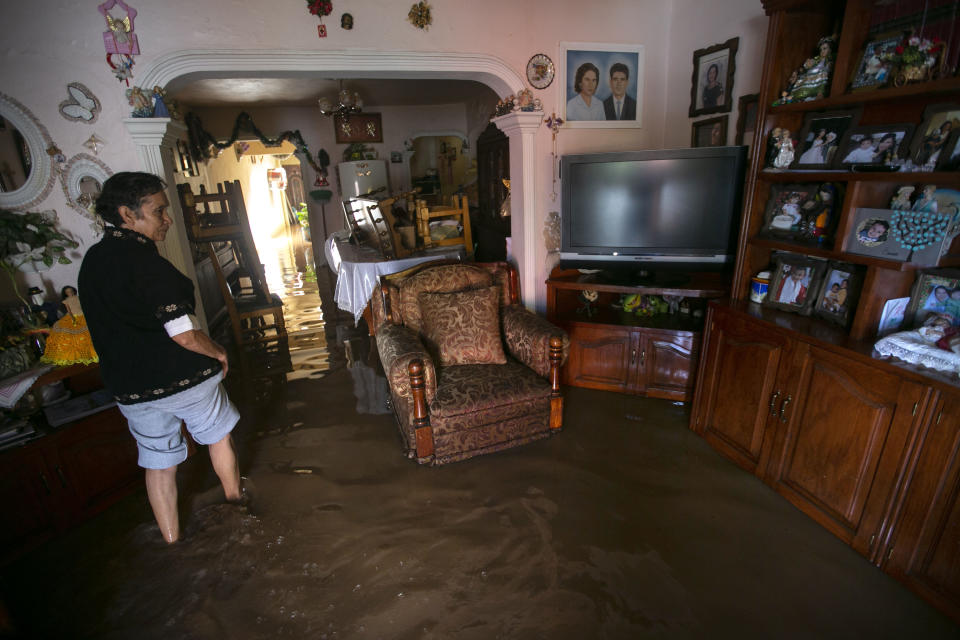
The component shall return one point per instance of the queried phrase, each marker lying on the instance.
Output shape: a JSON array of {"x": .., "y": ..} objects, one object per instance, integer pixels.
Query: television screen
[{"x": 673, "y": 205}]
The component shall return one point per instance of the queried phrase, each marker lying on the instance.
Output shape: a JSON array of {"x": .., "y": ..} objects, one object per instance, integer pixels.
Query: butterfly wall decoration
[{"x": 81, "y": 105}]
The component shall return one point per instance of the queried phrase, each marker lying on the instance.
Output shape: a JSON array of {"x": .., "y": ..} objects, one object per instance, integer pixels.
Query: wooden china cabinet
[{"x": 869, "y": 448}]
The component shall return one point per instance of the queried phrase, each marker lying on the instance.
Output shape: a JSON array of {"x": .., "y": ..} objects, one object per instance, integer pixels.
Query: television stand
[
  {"x": 641, "y": 277},
  {"x": 616, "y": 350}
]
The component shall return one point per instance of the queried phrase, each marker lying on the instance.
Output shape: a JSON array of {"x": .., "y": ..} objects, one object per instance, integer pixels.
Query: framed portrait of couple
[{"x": 603, "y": 84}]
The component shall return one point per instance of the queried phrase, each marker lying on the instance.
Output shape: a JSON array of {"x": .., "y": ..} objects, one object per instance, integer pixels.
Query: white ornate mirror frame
[
  {"x": 81, "y": 167},
  {"x": 40, "y": 180}
]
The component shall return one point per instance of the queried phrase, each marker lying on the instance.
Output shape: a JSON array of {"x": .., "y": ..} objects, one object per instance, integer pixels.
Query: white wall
[{"x": 49, "y": 43}]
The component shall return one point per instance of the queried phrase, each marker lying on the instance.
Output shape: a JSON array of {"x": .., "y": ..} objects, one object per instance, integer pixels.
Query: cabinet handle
[
  {"x": 939, "y": 415},
  {"x": 63, "y": 478},
  {"x": 783, "y": 408},
  {"x": 773, "y": 402},
  {"x": 46, "y": 485},
  {"x": 633, "y": 357},
  {"x": 915, "y": 405},
  {"x": 643, "y": 357}
]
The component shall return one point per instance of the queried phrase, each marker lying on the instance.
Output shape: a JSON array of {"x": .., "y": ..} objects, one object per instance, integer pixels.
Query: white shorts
[{"x": 155, "y": 424}]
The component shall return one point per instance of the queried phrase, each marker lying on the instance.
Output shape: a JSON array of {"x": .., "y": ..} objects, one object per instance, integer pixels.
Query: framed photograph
[
  {"x": 795, "y": 282},
  {"x": 602, "y": 84},
  {"x": 929, "y": 149},
  {"x": 936, "y": 292},
  {"x": 801, "y": 211},
  {"x": 839, "y": 293},
  {"x": 873, "y": 146},
  {"x": 713, "y": 70},
  {"x": 396, "y": 157},
  {"x": 820, "y": 138},
  {"x": 360, "y": 127},
  {"x": 892, "y": 317},
  {"x": 711, "y": 132},
  {"x": 874, "y": 70},
  {"x": 746, "y": 120},
  {"x": 951, "y": 153}
]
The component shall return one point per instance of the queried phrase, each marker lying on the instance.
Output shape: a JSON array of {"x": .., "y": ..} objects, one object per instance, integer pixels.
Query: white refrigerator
[{"x": 363, "y": 178}]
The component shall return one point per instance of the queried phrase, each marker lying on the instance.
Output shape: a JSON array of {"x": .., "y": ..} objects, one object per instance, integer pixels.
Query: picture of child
[
  {"x": 793, "y": 285},
  {"x": 873, "y": 232},
  {"x": 789, "y": 215},
  {"x": 836, "y": 292}
]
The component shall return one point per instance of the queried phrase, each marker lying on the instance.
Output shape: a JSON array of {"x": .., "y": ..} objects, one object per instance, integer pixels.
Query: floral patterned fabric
[
  {"x": 528, "y": 338},
  {"x": 463, "y": 327},
  {"x": 441, "y": 279}
]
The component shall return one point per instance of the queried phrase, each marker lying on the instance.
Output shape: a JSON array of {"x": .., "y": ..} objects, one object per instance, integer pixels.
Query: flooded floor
[{"x": 624, "y": 525}]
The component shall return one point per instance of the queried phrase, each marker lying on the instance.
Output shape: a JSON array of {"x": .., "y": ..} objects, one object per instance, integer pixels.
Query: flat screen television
[{"x": 655, "y": 209}]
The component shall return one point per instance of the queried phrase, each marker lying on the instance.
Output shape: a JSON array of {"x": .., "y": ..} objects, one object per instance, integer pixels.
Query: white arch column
[
  {"x": 521, "y": 128},
  {"x": 156, "y": 139}
]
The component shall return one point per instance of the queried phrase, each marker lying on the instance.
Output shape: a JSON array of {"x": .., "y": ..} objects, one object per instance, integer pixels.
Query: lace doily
[{"x": 910, "y": 346}]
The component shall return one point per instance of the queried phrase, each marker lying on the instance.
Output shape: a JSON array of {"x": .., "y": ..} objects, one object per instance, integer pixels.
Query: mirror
[
  {"x": 28, "y": 153},
  {"x": 83, "y": 176}
]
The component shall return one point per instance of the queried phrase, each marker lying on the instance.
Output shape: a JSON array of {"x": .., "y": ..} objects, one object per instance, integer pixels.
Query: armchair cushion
[
  {"x": 528, "y": 337},
  {"x": 463, "y": 327},
  {"x": 454, "y": 277}
]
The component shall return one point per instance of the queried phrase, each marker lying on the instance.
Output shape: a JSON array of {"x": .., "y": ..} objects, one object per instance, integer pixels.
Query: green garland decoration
[{"x": 201, "y": 141}]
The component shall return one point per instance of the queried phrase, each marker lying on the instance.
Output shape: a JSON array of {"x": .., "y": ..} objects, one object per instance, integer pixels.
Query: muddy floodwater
[{"x": 624, "y": 525}]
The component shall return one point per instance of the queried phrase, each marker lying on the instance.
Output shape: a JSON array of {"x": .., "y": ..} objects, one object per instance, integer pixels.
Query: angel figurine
[
  {"x": 784, "y": 150},
  {"x": 901, "y": 201}
]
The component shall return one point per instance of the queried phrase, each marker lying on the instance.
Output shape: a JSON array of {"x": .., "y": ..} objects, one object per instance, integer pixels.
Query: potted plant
[
  {"x": 31, "y": 242},
  {"x": 303, "y": 217}
]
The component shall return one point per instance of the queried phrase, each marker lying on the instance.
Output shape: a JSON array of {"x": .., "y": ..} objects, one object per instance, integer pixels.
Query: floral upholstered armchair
[{"x": 470, "y": 370}]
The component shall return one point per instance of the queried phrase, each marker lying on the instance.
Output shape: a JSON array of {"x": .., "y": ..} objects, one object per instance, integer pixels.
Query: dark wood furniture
[
  {"x": 868, "y": 448},
  {"x": 614, "y": 350},
  {"x": 67, "y": 474},
  {"x": 493, "y": 167}
]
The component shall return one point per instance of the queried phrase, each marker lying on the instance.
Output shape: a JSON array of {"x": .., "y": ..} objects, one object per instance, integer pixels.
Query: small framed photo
[
  {"x": 747, "y": 119},
  {"x": 934, "y": 292},
  {"x": 876, "y": 146},
  {"x": 951, "y": 153},
  {"x": 801, "y": 211},
  {"x": 360, "y": 127},
  {"x": 820, "y": 138},
  {"x": 713, "y": 70},
  {"x": 839, "y": 293},
  {"x": 396, "y": 157},
  {"x": 601, "y": 84},
  {"x": 875, "y": 69},
  {"x": 929, "y": 148},
  {"x": 795, "y": 283},
  {"x": 711, "y": 132}
]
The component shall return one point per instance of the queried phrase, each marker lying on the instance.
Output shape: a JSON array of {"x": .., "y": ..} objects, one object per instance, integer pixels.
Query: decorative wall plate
[{"x": 540, "y": 71}]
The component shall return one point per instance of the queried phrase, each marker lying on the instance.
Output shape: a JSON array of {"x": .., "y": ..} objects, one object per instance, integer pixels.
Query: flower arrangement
[
  {"x": 320, "y": 7},
  {"x": 915, "y": 51}
]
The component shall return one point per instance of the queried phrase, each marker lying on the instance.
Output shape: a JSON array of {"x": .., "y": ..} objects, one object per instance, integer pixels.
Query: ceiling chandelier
[{"x": 347, "y": 102}]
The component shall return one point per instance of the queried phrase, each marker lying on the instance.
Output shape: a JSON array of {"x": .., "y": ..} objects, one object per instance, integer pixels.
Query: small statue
[
  {"x": 784, "y": 150},
  {"x": 901, "y": 201},
  {"x": 812, "y": 80},
  {"x": 141, "y": 103},
  {"x": 773, "y": 142},
  {"x": 588, "y": 298},
  {"x": 525, "y": 100}
]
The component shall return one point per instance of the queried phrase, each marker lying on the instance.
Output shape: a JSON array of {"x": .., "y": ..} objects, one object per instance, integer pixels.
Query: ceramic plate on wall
[{"x": 540, "y": 71}]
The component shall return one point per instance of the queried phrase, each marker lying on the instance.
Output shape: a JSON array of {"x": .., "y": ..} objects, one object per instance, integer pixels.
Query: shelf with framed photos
[{"x": 768, "y": 372}]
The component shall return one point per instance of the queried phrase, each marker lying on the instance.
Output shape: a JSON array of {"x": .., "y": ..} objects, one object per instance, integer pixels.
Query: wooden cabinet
[
  {"x": 60, "y": 479},
  {"x": 654, "y": 362},
  {"x": 924, "y": 550},
  {"x": 867, "y": 448},
  {"x": 614, "y": 350}
]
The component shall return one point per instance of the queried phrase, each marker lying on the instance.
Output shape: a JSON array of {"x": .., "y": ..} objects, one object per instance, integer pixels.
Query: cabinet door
[
  {"x": 601, "y": 357},
  {"x": 739, "y": 386},
  {"x": 926, "y": 543},
  {"x": 667, "y": 363},
  {"x": 97, "y": 461},
  {"x": 28, "y": 495},
  {"x": 841, "y": 442}
]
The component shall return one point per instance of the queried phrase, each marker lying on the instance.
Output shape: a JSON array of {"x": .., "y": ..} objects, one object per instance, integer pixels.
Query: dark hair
[
  {"x": 126, "y": 189},
  {"x": 715, "y": 67},
  {"x": 581, "y": 70},
  {"x": 622, "y": 68},
  {"x": 63, "y": 292}
]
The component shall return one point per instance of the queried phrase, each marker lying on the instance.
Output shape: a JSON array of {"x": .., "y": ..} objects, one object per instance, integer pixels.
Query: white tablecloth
[{"x": 359, "y": 269}]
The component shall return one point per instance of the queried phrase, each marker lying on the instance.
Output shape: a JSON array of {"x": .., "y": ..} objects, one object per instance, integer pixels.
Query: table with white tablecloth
[{"x": 359, "y": 268}]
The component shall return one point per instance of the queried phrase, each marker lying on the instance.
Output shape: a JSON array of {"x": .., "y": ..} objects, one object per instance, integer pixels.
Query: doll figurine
[{"x": 784, "y": 150}]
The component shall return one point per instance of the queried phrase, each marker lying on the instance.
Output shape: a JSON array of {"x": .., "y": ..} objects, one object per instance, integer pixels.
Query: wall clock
[{"x": 540, "y": 71}]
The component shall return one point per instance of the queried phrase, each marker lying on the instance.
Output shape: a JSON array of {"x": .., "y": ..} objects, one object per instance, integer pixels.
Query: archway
[{"x": 161, "y": 133}]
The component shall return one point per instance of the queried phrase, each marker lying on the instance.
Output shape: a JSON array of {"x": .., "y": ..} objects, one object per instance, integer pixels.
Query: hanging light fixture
[{"x": 348, "y": 102}]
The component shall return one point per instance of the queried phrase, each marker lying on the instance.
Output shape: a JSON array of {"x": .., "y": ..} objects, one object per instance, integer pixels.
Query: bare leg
[
  {"x": 162, "y": 492},
  {"x": 224, "y": 461}
]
